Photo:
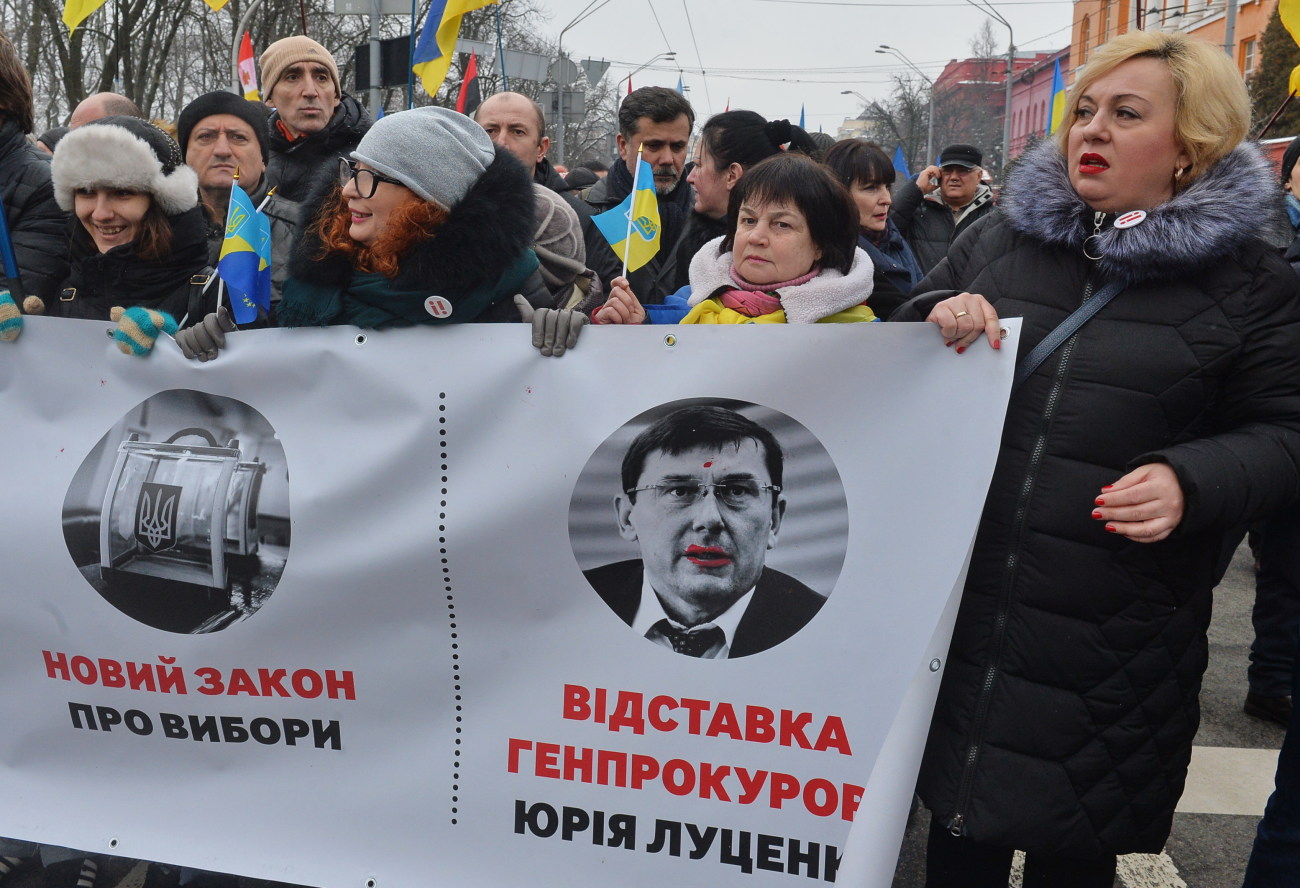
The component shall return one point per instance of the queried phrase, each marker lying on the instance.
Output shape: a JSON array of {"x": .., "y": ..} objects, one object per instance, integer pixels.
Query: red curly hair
[{"x": 414, "y": 221}]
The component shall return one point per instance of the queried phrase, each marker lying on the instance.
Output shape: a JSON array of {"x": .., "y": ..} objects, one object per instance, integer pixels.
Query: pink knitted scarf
[{"x": 753, "y": 300}]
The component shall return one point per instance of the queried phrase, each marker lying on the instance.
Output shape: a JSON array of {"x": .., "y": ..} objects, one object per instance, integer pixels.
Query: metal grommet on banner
[
  {"x": 372, "y": 882},
  {"x": 935, "y": 664},
  {"x": 112, "y": 843},
  {"x": 361, "y": 339},
  {"x": 1003, "y": 333},
  {"x": 670, "y": 340}
]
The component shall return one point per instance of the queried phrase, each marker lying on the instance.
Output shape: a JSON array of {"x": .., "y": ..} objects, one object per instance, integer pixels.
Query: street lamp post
[
  {"x": 670, "y": 56},
  {"x": 929, "y": 134},
  {"x": 562, "y": 82},
  {"x": 234, "y": 47},
  {"x": 1011, "y": 67}
]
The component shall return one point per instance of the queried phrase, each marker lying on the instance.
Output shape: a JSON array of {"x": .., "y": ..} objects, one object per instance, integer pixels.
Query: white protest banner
[{"x": 350, "y": 608}]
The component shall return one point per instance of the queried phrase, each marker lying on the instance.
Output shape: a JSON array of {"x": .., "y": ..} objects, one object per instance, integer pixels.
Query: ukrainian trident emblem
[{"x": 155, "y": 516}]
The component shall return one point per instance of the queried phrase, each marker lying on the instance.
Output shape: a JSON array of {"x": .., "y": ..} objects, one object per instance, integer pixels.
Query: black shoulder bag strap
[{"x": 1064, "y": 331}]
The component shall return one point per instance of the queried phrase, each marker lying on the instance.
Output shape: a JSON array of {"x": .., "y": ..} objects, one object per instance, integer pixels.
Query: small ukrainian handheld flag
[
  {"x": 1058, "y": 99},
  {"x": 245, "y": 261},
  {"x": 432, "y": 54},
  {"x": 632, "y": 227}
]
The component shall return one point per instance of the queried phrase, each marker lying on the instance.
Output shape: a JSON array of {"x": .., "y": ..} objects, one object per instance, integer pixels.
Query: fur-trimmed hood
[
  {"x": 1205, "y": 222},
  {"x": 488, "y": 230},
  {"x": 828, "y": 293}
]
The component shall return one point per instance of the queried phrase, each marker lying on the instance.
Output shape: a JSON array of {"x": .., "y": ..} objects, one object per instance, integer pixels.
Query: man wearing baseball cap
[
  {"x": 944, "y": 201},
  {"x": 313, "y": 121}
]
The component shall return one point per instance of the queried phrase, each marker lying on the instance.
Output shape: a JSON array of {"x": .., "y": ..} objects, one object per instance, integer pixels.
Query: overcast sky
[{"x": 770, "y": 56}]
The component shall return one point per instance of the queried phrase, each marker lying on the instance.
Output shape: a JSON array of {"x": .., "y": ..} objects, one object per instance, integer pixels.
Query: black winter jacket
[
  {"x": 37, "y": 227},
  {"x": 97, "y": 282},
  {"x": 1068, "y": 705},
  {"x": 293, "y": 166},
  {"x": 929, "y": 225},
  {"x": 654, "y": 280}
]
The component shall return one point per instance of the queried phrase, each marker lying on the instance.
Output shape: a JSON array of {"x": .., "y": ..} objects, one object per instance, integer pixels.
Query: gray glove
[
  {"x": 554, "y": 329},
  {"x": 207, "y": 337}
]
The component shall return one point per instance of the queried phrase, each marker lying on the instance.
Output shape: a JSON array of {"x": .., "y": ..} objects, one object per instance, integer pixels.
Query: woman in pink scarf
[{"x": 790, "y": 255}]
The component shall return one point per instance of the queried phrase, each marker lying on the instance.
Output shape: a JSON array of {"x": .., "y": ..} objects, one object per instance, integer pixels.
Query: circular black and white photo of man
[
  {"x": 179, "y": 516},
  {"x": 712, "y": 528}
]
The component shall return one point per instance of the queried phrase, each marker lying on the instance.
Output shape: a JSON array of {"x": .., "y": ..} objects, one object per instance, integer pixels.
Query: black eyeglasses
[
  {"x": 737, "y": 495},
  {"x": 366, "y": 180}
]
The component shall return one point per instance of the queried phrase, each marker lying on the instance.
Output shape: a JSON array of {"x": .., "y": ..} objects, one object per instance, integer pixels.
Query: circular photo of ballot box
[
  {"x": 179, "y": 516},
  {"x": 713, "y": 528}
]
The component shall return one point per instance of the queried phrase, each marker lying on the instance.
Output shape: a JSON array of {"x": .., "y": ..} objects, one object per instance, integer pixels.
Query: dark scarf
[
  {"x": 700, "y": 229},
  {"x": 673, "y": 206},
  {"x": 892, "y": 256},
  {"x": 120, "y": 277}
]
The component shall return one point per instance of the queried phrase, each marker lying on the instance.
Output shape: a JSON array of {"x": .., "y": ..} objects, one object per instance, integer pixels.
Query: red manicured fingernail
[
  {"x": 1099, "y": 501},
  {"x": 1108, "y": 487},
  {"x": 960, "y": 349},
  {"x": 1110, "y": 528},
  {"x": 997, "y": 343},
  {"x": 948, "y": 344},
  {"x": 1096, "y": 513}
]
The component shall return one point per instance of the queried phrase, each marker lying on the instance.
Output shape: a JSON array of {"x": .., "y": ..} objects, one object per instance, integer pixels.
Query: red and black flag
[{"x": 469, "y": 98}]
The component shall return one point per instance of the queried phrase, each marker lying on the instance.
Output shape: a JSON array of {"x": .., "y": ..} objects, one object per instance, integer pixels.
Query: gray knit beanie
[
  {"x": 436, "y": 152},
  {"x": 558, "y": 228}
]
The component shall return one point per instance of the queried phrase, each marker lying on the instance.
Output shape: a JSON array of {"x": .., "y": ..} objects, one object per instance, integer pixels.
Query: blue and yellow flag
[
  {"x": 632, "y": 227},
  {"x": 245, "y": 262},
  {"x": 432, "y": 55},
  {"x": 1058, "y": 100}
]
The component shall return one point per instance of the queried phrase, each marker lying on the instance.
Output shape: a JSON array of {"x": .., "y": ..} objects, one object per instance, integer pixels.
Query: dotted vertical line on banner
[{"x": 451, "y": 602}]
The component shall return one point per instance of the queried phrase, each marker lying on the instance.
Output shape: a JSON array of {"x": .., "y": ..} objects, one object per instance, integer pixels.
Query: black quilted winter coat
[
  {"x": 1068, "y": 705},
  {"x": 37, "y": 227}
]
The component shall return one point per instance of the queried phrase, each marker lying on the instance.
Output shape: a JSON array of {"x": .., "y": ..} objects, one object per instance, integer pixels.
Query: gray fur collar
[{"x": 1209, "y": 220}]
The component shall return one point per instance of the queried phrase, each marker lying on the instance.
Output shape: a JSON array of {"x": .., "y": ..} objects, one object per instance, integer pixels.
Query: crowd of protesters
[{"x": 1155, "y": 413}]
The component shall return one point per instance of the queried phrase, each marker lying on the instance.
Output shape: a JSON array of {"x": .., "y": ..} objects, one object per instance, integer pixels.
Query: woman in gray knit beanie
[{"x": 426, "y": 223}]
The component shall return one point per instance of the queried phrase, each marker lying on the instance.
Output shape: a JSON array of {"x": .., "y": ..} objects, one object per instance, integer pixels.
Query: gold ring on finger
[{"x": 961, "y": 314}]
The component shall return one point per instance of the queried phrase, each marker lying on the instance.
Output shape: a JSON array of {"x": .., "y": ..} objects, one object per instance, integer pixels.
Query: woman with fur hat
[
  {"x": 1136, "y": 440},
  {"x": 138, "y": 237},
  {"x": 428, "y": 223}
]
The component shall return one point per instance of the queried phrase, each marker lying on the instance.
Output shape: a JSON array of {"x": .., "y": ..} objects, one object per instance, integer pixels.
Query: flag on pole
[
  {"x": 1058, "y": 99},
  {"x": 216, "y": 4},
  {"x": 77, "y": 11},
  {"x": 728, "y": 108},
  {"x": 629, "y": 86},
  {"x": 802, "y": 125},
  {"x": 248, "y": 69},
  {"x": 900, "y": 163},
  {"x": 432, "y": 55},
  {"x": 681, "y": 88},
  {"x": 470, "y": 96},
  {"x": 632, "y": 227},
  {"x": 245, "y": 261}
]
